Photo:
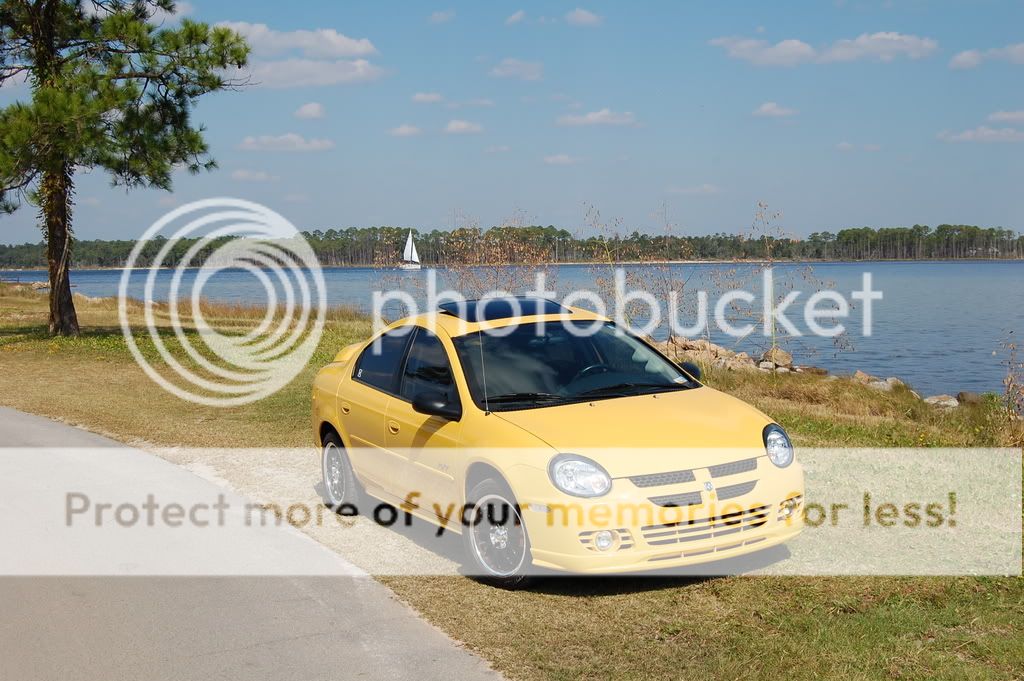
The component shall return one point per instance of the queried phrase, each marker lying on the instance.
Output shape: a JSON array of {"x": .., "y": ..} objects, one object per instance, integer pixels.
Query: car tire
[
  {"x": 340, "y": 490},
  {"x": 497, "y": 552}
]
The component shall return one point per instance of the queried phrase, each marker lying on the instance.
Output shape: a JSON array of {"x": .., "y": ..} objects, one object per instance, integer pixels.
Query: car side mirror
[
  {"x": 434, "y": 403},
  {"x": 692, "y": 369}
]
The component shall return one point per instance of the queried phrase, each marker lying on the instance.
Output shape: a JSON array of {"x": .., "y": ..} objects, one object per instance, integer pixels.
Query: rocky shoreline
[{"x": 776, "y": 360}]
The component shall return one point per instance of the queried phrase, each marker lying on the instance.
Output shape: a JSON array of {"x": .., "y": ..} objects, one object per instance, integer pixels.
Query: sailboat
[{"x": 410, "y": 258}]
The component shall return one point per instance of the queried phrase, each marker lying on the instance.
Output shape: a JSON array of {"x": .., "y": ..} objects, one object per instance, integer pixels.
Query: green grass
[{"x": 574, "y": 628}]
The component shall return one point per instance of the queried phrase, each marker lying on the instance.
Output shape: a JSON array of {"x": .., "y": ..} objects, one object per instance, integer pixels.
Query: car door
[
  {"x": 363, "y": 405},
  {"x": 427, "y": 444}
]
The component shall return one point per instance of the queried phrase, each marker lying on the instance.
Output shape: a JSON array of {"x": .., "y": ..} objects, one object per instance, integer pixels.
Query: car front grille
[
  {"x": 682, "y": 499},
  {"x": 706, "y": 528},
  {"x": 732, "y": 468},
  {"x": 733, "y": 491},
  {"x": 659, "y": 479}
]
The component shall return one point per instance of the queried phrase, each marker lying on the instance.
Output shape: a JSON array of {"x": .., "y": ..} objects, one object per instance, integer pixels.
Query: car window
[
  {"x": 428, "y": 368},
  {"x": 536, "y": 365},
  {"x": 379, "y": 364}
]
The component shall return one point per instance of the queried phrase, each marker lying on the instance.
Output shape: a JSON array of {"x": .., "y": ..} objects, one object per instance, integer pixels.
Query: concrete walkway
[{"x": 309, "y": 615}]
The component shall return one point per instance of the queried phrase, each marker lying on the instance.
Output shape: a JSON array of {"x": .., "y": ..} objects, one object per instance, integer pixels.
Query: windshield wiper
[
  {"x": 524, "y": 397},
  {"x": 621, "y": 388}
]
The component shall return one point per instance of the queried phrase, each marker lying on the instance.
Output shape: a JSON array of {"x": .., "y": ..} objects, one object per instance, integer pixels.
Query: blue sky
[{"x": 839, "y": 114}]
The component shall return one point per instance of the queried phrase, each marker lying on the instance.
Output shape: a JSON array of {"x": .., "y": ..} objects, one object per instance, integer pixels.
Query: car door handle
[
  {"x": 393, "y": 427},
  {"x": 346, "y": 407}
]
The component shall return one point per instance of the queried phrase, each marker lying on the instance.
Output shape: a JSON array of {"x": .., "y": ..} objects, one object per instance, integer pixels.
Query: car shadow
[{"x": 558, "y": 584}]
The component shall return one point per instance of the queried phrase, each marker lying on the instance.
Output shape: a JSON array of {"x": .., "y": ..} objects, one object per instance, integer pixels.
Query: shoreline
[{"x": 625, "y": 263}]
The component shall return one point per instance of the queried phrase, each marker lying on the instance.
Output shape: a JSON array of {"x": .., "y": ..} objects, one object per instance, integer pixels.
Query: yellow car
[{"x": 550, "y": 438}]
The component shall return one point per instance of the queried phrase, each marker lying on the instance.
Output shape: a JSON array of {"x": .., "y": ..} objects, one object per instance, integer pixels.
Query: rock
[
  {"x": 777, "y": 356},
  {"x": 894, "y": 382},
  {"x": 766, "y": 365},
  {"x": 39, "y": 285},
  {"x": 916, "y": 396},
  {"x": 860, "y": 377},
  {"x": 831, "y": 378},
  {"x": 742, "y": 365},
  {"x": 782, "y": 370},
  {"x": 817, "y": 371},
  {"x": 969, "y": 398},
  {"x": 943, "y": 401},
  {"x": 880, "y": 385}
]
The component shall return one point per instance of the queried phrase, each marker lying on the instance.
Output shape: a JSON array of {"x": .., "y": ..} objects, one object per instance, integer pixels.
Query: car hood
[{"x": 711, "y": 426}]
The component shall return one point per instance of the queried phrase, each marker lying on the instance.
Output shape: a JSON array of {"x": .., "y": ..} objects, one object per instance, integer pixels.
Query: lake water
[{"x": 939, "y": 326}]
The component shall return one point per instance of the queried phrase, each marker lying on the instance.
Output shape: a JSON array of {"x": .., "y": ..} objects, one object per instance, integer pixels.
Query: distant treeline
[{"x": 382, "y": 246}]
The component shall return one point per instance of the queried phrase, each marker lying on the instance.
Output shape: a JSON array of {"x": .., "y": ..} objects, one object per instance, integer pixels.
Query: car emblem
[{"x": 708, "y": 486}]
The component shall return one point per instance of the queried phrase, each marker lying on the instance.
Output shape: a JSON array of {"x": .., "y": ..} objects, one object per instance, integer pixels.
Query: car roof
[{"x": 496, "y": 313}]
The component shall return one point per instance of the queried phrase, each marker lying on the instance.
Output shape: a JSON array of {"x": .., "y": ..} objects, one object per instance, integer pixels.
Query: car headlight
[
  {"x": 777, "y": 445},
  {"x": 579, "y": 476}
]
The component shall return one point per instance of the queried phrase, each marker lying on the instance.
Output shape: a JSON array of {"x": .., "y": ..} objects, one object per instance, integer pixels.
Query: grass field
[{"x": 763, "y": 627}]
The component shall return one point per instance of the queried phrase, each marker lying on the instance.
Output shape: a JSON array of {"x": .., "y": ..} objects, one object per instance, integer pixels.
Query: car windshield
[{"x": 538, "y": 365}]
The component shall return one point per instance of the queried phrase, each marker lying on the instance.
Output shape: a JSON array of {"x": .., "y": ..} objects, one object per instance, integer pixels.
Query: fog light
[
  {"x": 788, "y": 506},
  {"x": 604, "y": 540}
]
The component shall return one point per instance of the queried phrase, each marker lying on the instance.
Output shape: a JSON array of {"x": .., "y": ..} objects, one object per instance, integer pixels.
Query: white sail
[{"x": 410, "y": 254}]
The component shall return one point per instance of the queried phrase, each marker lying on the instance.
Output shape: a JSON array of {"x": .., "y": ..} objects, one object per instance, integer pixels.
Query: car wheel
[
  {"x": 339, "y": 482},
  {"x": 495, "y": 540}
]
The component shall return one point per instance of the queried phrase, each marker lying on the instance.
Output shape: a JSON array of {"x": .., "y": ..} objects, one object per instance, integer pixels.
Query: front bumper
[{"x": 652, "y": 536}]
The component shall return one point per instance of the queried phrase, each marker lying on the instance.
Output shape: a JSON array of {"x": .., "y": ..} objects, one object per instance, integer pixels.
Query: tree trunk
[{"x": 55, "y": 203}]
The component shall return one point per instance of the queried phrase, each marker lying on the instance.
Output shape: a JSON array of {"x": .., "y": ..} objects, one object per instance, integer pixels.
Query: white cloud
[
  {"x": 1007, "y": 116},
  {"x": 427, "y": 97},
  {"x": 288, "y": 73},
  {"x": 317, "y": 43},
  {"x": 602, "y": 117},
  {"x": 966, "y": 60},
  {"x": 244, "y": 175},
  {"x": 696, "y": 190},
  {"x": 404, "y": 130},
  {"x": 287, "y": 142},
  {"x": 498, "y": 149},
  {"x": 515, "y": 18},
  {"x": 311, "y": 110},
  {"x": 561, "y": 160},
  {"x": 773, "y": 110},
  {"x": 969, "y": 59},
  {"x": 460, "y": 127},
  {"x": 845, "y": 146},
  {"x": 581, "y": 17},
  {"x": 760, "y": 52},
  {"x": 517, "y": 68},
  {"x": 983, "y": 133},
  {"x": 884, "y": 46},
  {"x": 442, "y": 17}
]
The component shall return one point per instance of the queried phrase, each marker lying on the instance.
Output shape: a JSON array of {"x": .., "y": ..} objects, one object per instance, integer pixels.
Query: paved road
[{"x": 318, "y": 618}]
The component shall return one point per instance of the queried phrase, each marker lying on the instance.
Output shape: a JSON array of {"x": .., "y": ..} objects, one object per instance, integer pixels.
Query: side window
[
  {"x": 427, "y": 368},
  {"x": 380, "y": 362}
]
